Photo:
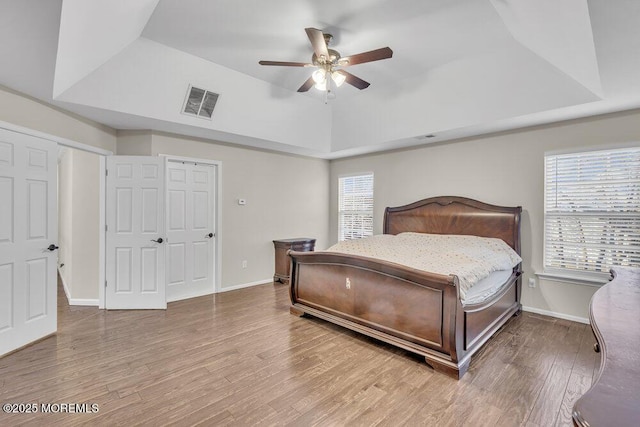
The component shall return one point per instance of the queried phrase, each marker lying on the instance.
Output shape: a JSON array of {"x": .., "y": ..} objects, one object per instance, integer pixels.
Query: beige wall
[
  {"x": 78, "y": 185},
  {"x": 505, "y": 169},
  {"x": 86, "y": 225},
  {"x": 32, "y": 114},
  {"x": 287, "y": 196},
  {"x": 78, "y": 223},
  {"x": 134, "y": 143}
]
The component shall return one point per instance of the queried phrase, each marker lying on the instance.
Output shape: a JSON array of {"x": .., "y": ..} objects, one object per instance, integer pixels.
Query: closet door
[
  {"x": 136, "y": 240},
  {"x": 28, "y": 235},
  {"x": 190, "y": 230}
]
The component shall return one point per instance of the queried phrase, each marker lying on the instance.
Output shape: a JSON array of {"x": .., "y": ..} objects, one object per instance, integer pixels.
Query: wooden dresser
[
  {"x": 283, "y": 264},
  {"x": 614, "y": 397}
]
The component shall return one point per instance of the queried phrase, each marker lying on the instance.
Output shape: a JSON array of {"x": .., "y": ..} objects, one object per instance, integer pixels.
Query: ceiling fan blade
[
  {"x": 372, "y": 55},
  {"x": 306, "y": 85},
  {"x": 354, "y": 80},
  {"x": 285, "y": 64},
  {"x": 317, "y": 41}
]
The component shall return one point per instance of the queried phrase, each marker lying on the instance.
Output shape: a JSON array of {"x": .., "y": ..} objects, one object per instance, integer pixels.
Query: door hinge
[
  {"x": 105, "y": 283},
  {"x": 106, "y": 172},
  {"x": 106, "y": 227}
]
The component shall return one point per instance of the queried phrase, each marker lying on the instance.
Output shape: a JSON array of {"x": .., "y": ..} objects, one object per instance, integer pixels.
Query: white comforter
[{"x": 470, "y": 258}]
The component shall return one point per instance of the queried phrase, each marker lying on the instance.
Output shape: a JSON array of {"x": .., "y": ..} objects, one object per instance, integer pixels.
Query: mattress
[
  {"x": 470, "y": 258},
  {"x": 487, "y": 287}
]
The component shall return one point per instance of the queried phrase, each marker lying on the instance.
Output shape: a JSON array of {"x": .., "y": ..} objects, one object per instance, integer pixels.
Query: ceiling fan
[{"x": 330, "y": 63}]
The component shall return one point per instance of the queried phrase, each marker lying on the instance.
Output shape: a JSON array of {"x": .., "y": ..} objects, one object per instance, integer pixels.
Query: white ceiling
[{"x": 460, "y": 67}]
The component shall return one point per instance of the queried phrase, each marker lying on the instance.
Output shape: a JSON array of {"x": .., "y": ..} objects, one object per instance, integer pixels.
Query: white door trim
[
  {"x": 59, "y": 140},
  {"x": 218, "y": 210},
  {"x": 102, "y": 244},
  {"x": 103, "y": 222}
]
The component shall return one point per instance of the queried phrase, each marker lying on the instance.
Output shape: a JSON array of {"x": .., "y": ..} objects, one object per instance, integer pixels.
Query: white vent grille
[{"x": 200, "y": 102}]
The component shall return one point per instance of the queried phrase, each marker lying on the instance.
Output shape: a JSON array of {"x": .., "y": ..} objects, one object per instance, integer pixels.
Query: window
[
  {"x": 592, "y": 211},
  {"x": 355, "y": 206}
]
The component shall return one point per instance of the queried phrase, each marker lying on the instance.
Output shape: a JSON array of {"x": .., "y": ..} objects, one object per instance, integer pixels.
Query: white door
[
  {"x": 190, "y": 230},
  {"x": 28, "y": 234},
  {"x": 135, "y": 233}
]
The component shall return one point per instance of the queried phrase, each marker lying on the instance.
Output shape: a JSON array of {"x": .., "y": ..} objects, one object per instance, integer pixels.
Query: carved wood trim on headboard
[{"x": 456, "y": 215}]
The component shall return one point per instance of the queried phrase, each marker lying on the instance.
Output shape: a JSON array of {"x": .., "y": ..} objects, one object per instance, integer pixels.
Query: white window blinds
[
  {"x": 355, "y": 206},
  {"x": 592, "y": 210}
]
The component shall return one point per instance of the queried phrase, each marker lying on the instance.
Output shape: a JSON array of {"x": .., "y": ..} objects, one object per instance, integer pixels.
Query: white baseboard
[
  {"x": 246, "y": 285},
  {"x": 75, "y": 301},
  {"x": 85, "y": 302},
  {"x": 180, "y": 298},
  {"x": 556, "y": 315},
  {"x": 64, "y": 285}
]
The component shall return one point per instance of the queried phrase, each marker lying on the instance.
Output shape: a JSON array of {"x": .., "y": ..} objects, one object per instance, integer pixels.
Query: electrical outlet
[
  {"x": 244, "y": 263},
  {"x": 532, "y": 282}
]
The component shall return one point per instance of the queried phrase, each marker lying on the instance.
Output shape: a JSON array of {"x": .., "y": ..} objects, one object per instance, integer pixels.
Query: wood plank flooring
[{"x": 239, "y": 358}]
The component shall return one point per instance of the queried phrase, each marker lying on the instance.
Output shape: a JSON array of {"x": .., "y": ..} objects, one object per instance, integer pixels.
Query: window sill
[{"x": 575, "y": 279}]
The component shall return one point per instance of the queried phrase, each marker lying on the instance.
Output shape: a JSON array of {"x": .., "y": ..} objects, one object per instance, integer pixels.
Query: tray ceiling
[{"x": 460, "y": 67}]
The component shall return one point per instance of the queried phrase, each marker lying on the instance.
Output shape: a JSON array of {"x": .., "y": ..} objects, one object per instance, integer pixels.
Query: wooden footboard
[{"x": 418, "y": 311}]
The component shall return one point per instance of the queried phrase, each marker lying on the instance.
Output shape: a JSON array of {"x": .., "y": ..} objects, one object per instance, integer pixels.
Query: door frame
[
  {"x": 217, "y": 243},
  {"x": 64, "y": 142}
]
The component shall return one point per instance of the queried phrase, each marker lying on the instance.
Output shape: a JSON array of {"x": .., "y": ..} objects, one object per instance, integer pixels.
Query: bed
[{"x": 416, "y": 310}]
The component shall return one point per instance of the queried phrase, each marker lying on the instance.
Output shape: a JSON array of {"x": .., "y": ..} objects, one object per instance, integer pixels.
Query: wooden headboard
[{"x": 456, "y": 215}]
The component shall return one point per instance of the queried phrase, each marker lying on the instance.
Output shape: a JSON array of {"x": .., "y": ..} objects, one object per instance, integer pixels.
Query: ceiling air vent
[{"x": 199, "y": 102}]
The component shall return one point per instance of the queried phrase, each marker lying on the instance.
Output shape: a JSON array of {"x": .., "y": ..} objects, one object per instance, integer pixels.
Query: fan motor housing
[{"x": 334, "y": 56}]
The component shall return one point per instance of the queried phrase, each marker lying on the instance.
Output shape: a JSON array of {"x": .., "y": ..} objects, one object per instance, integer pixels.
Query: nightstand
[{"x": 283, "y": 264}]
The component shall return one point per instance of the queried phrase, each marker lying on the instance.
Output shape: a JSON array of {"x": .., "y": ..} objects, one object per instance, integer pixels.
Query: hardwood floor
[{"x": 239, "y": 358}]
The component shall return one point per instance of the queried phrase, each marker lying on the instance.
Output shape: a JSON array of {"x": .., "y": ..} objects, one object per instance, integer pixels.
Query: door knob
[
  {"x": 210, "y": 235},
  {"x": 52, "y": 247},
  {"x": 158, "y": 241}
]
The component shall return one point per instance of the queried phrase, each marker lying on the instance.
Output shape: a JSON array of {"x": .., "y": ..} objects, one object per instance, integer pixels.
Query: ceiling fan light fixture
[
  {"x": 321, "y": 85},
  {"x": 327, "y": 77},
  {"x": 319, "y": 76},
  {"x": 338, "y": 78}
]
